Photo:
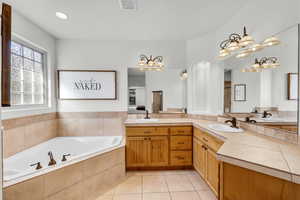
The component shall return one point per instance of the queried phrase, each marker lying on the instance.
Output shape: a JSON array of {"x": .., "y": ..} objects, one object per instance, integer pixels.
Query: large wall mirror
[
  {"x": 271, "y": 95},
  {"x": 159, "y": 92}
]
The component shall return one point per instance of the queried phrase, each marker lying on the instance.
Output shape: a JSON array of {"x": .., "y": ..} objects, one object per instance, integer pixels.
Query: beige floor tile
[
  {"x": 154, "y": 184},
  {"x": 185, "y": 196},
  {"x": 197, "y": 182},
  {"x": 105, "y": 197},
  {"x": 179, "y": 183},
  {"x": 132, "y": 185},
  {"x": 157, "y": 196},
  {"x": 128, "y": 197},
  {"x": 207, "y": 195},
  {"x": 146, "y": 173},
  {"x": 178, "y": 172}
]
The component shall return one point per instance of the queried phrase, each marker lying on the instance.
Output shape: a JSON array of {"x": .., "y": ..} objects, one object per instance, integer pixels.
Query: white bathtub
[{"x": 17, "y": 167}]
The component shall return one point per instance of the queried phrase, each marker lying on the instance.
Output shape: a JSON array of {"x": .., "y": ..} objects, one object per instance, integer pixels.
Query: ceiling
[{"x": 104, "y": 20}]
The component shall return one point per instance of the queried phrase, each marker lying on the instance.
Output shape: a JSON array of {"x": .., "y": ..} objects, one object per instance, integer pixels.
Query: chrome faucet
[
  {"x": 233, "y": 122},
  {"x": 52, "y": 161},
  {"x": 147, "y": 115}
]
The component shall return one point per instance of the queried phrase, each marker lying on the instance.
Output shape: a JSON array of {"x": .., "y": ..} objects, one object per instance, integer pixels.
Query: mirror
[
  {"x": 159, "y": 92},
  {"x": 268, "y": 97}
]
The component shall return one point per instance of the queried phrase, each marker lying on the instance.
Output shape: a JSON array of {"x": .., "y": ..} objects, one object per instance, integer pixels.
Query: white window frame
[{"x": 45, "y": 105}]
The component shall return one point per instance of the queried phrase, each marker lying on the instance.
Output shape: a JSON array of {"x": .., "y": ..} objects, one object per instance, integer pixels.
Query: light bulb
[{"x": 233, "y": 46}]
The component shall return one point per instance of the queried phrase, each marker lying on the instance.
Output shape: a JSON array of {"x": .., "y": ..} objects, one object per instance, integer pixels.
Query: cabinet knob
[
  {"x": 180, "y": 143},
  {"x": 147, "y": 132}
]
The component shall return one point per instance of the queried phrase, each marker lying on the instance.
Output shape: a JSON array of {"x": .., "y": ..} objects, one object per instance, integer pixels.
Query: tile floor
[{"x": 161, "y": 185}]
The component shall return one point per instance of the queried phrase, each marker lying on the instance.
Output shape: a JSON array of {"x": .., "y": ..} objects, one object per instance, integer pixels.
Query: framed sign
[
  {"x": 87, "y": 85},
  {"x": 292, "y": 86},
  {"x": 240, "y": 92}
]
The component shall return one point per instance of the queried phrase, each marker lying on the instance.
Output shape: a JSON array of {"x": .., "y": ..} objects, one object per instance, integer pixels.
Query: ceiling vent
[{"x": 128, "y": 4}]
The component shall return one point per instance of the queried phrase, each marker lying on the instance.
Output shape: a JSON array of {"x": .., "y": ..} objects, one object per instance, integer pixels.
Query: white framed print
[
  {"x": 87, "y": 85},
  {"x": 292, "y": 86},
  {"x": 240, "y": 92}
]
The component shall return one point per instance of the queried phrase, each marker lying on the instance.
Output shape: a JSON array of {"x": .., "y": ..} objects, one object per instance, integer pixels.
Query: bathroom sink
[
  {"x": 146, "y": 120},
  {"x": 225, "y": 128}
]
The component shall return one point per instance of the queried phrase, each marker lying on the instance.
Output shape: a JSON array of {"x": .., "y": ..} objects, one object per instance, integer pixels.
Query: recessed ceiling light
[{"x": 61, "y": 15}]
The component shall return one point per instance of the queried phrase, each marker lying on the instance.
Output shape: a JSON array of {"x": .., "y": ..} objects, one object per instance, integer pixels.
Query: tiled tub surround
[
  {"x": 248, "y": 150},
  {"x": 91, "y": 123},
  {"x": 25, "y": 132},
  {"x": 17, "y": 168},
  {"x": 86, "y": 180}
]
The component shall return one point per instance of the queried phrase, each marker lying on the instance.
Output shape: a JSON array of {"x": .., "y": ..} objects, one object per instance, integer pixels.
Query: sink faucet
[
  {"x": 52, "y": 161},
  {"x": 248, "y": 119},
  {"x": 266, "y": 114},
  {"x": 147, "y": 115},
  {"x": 233, "y": 122}
]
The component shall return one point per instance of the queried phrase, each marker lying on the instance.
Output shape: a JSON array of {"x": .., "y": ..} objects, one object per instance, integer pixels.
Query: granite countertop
[{"x": 248, "y": 149}]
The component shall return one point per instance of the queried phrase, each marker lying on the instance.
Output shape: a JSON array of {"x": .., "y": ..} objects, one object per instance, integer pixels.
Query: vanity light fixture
[
  {"x": 235, "y": 42},
  {"x": 266, "y": 63},
  {"x": 251, "y": 70},
  {"x": 61, "y": 15},
  {"x": 244, "y": 53},
  {"x": 271, "y": 41},
  {"x": 256, "y": 47},
  {"x": 184, "y": 75},
  {"x": 151, "y": 63}
]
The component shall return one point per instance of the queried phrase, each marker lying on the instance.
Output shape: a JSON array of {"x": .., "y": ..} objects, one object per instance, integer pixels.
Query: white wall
[
  {"x": 262, "y": 21},
  {"x": 25, "y": 30},
  {"x": 136, "y": 81},
  {"x": 117, "y": 55},
  {"x": 170, "y": 83}
]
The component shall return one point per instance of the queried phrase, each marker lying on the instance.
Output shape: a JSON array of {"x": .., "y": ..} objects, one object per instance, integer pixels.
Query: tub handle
[
  {"x": 38, "y": 165},
  {"x": 64, "y": 158}
]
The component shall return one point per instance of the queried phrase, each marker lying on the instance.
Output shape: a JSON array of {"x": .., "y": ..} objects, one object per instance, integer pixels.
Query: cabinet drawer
[
  {"x": 146, "y": 131},
  {"x": 181, "y": 142},
  {"x": 211, "y": 141},
  {"x": 183, "y": 130},
  {"x": 181, "y": 158}
]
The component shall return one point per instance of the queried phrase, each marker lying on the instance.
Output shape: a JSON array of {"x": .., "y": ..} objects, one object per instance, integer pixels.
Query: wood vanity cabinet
[
  {"x": 163, "y": 147},
  {"x": 240, "y": 183},
  {"x": 205, "y": 158}
]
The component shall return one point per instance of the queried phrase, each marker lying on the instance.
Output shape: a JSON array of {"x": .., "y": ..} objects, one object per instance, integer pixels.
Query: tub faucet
[
  {"x": 52, "y": 161},
  {"x": 38, "y": 165},
  {"x": 64, "y": 157},
  {"x": 233, "y": 122}
]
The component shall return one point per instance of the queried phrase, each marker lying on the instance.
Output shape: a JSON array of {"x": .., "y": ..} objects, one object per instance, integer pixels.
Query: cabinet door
[
  {"x": 213, "y": 171},
  {"x": 159, "y": 151},
  {"x": 200, "y": 157},
  {"x": 137, "y": 151}
]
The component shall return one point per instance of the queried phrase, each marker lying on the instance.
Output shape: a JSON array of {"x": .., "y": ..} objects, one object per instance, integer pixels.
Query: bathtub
[{"x": 17, "y": 167}]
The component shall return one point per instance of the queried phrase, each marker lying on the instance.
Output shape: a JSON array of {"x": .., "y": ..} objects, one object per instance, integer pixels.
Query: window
[{"x": 27, "y": 75}]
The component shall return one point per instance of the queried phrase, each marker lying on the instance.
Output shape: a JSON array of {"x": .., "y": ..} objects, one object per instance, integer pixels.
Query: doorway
[
  {"x": 227, "y": 91},
  {"x": 157, "y": 104}
]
